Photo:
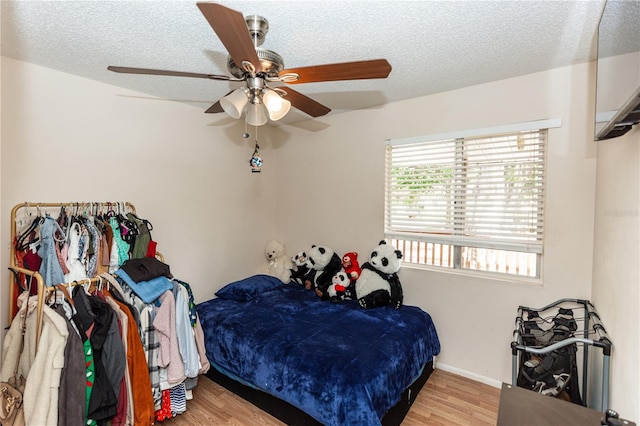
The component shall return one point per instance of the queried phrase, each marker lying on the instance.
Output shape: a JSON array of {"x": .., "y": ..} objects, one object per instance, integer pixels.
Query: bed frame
[{"x": 295, "y": 417}]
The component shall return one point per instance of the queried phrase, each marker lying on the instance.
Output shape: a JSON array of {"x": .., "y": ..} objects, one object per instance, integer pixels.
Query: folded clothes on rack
[
  {"x": 148, "y": 291},
  {"x": 145, "y": 269}
]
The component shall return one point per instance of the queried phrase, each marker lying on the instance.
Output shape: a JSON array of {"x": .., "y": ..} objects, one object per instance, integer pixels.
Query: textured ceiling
[{"x": 433, "y": 46}]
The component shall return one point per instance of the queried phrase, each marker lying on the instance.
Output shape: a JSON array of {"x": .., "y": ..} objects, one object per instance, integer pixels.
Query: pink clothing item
[
  {"x": 62, "y": 254},
  {"x": 165, "y": 325},
  {"x": 199, "y": 336}
]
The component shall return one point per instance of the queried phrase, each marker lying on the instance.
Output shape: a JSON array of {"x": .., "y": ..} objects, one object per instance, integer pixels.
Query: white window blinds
[{"x": 485, "y": 192}]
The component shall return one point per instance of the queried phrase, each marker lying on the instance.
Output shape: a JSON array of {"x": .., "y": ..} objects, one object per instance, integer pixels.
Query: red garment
[
  {"x": 121, "y": 412},
  {"x": 151, "y": 249},
  {"x": 26, "y": 259},
  {"x": 165, "y": 409},
  {"x": 32, "y": 261}
]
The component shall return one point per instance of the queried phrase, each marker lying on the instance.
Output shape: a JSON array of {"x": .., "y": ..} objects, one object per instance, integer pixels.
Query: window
[{"x": 469, "y": 203}]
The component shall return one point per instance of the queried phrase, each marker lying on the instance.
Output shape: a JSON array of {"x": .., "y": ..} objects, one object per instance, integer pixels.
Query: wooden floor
[{"x": 446, "y": 399}]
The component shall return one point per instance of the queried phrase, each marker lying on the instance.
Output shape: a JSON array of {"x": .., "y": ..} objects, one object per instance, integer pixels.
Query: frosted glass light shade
[
  {"x": 256, "y": 115},
  {"x": 234, "y": 103},
  {"x": 277, "y": 106}
]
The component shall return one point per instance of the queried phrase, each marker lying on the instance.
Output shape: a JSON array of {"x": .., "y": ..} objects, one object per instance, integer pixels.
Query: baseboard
[{"x": 468, "y": 375}]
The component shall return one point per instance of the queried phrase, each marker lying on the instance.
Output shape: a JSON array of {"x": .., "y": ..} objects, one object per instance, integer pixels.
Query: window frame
[{"x": 458, "y": 245}]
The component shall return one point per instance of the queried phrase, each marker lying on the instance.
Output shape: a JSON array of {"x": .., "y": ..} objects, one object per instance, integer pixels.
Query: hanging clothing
[
  {"x": 184, "y": 332},
  {"x": 61, "y": 254},
  {"x": 164, "y": 412},
  {"x": 143, "y": 236},
  {"x": 106, "y": 242},
  {"x": 93, "y": 247},
  {"x": 90, "y": 380},
  {"x": 50, "y": 266},
  {"x": 71, "y": 404},
  {"x": 178, "y": 399},
  {"x": 74, "y": 264},
  {"x": 199, "y": 336},
  {"x": 138, "y": 371},
  {"x": 193, "y": 314},
  {"x": 44, "y": 363},
  {"x": 121, "y": 245},
  {"x": 104, "y": 338},
  {"x": 169, "y": 359},
  {"x": 124, "y": 410}
]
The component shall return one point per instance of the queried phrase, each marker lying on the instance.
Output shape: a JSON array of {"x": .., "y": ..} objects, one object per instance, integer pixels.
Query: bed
[{"x": 309, "y": 361}]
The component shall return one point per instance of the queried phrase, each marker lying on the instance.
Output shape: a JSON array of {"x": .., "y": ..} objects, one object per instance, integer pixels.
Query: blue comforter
[{"x": 340, "y": 363}]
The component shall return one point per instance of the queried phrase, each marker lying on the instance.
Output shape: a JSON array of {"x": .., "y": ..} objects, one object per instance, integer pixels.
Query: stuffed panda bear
[
  {"x": 378, "y": 284},
  {"x": 324, "y": 263},
  {"x": 300, "y": 267},
  {"x": 339, "y": 284}
]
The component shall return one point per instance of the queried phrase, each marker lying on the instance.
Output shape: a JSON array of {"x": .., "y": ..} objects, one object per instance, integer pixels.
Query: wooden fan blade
[
  {"x": 129, "y": 70},
  {"x": 305, "y": 103},
  {"x": 358, "y": 70},
  {"x": 232, "y": 31}
]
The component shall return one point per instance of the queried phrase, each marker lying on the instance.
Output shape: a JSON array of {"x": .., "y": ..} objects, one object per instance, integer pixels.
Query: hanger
[
  {"x": 87, "y": 286},
  {"x": 74, "y": 312},
  {"x": 30, "y": 235},
  {"x": 98, "y": 287},
  {"x": 23, "y": 222}
]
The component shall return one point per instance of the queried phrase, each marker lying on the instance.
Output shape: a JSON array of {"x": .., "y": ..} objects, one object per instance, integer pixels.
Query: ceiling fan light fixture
[
  {"x": 256, "y": 115},
  {"x": 276, "y": 105},
  {"x": 234, "y": 103}
]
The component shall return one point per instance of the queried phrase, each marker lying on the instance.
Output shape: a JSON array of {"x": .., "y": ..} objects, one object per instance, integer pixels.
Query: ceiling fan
[{"x": 259, "y": 67}]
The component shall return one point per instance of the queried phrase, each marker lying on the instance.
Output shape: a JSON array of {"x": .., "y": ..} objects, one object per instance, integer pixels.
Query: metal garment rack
[
  {"x": 591, "y": 325},
  {"x": 16, "y": 270}
]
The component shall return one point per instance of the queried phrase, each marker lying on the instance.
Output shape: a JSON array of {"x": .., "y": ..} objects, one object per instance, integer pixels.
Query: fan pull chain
[{"x": 246, "y": 131}]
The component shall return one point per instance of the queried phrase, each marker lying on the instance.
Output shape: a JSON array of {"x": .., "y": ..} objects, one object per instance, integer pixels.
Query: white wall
[
  {"x": 68, "y": 139},
  {"x": 332, "y": 193},
  {"x": 616, "y": 267}
]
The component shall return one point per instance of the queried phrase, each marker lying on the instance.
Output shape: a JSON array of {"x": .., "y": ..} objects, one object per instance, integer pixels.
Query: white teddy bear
[{"x": 279, "y": 264}]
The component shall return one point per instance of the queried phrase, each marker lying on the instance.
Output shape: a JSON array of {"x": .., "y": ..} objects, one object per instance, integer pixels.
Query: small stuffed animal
[
  {"x": 351, "y": 266},
  {"x": 278, "y": 262},
  {"x": 324, "y": 264},
  {"x": 300, "y": 267},
  {"x": 339, "y": 284},
  {"x": 379, "y": 284}
]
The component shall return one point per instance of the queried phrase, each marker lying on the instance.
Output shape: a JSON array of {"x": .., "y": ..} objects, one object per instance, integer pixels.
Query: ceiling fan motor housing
[
  {"x": 271, "y": 62},
  {"x": 258, "y": 28}
]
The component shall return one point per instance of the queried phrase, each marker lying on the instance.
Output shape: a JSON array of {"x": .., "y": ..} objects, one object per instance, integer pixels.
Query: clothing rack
[
  {"x": 119, "y": 206},
  {"x": 88, "y": 240}
]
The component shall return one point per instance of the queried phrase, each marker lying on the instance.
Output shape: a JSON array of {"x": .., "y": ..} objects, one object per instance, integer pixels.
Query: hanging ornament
[{"x": 256, "y": 160}]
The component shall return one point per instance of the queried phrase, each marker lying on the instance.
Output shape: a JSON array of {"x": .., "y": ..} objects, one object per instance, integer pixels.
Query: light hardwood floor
[{"x": 446, "y": 399}]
